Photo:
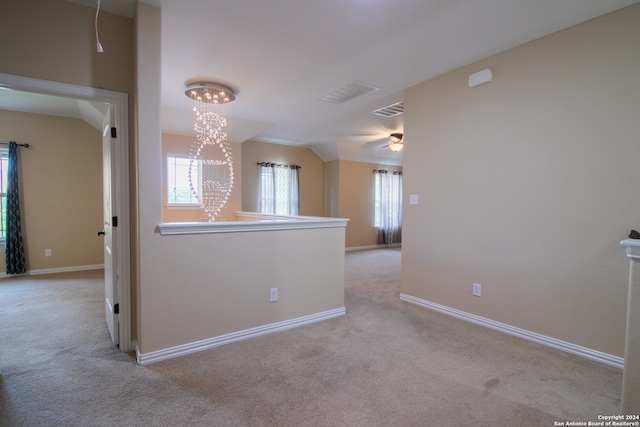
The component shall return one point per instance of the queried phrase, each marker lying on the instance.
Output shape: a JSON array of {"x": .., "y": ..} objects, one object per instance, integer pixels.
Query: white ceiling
[
  {"x": 91, "y": 112},
  {"x": 280, "y": 56}
]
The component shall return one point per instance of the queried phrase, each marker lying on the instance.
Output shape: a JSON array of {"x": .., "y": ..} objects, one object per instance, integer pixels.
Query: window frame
[{"x": 181, "y": 205}]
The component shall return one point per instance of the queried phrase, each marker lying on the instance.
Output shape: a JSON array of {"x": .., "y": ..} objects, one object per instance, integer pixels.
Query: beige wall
[
  {"x": 207, "y": 285},
  {"x": 55, "y": 40},
  {"x": 311, "y": 174},
  {"x": 61, "y": 180},
  {"x": 194, "y": 287},
  {"x": 154, "y": 258},
  {"x": 528, "y": 183},
  {"x": 180, "y": 144},
  {"x": 332, "y": 189},
  {"x": 356, "y": 196}
]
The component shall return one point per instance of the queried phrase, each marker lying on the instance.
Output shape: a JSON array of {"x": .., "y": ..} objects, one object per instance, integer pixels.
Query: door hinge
[
  {"x": 113, "y": 133},
  {"x": 114, "y": 221},
  {"x": 116, "y": 308}
]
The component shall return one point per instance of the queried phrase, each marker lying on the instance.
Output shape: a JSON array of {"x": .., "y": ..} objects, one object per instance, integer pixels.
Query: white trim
[
  {"x": 587, "y": 353},
  {"x": 361, "y": 248},
  {"x": 194, "y": 347},
  {"x": 261, "y": 223},
  {"x": 633, "y": 247},
  {"x": 120, "y": 102},
  {"x": 182, "y": 156},
  {"x": 364, "y": 248},
  {"x": 273, "y": 217},
  {"x": 41, "y": 271},
  {"x": 182, "y": 206}
]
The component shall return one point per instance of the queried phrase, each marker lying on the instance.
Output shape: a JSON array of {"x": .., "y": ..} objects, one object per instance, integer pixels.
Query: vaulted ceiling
[{"x": 281, "y": 56}]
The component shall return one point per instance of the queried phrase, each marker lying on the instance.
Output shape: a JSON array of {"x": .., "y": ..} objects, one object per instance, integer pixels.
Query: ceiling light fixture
[
  {"x": 211, "y": 162},
  {"x": 395, "y": 142},
  {"x": 210, "y": 93}
]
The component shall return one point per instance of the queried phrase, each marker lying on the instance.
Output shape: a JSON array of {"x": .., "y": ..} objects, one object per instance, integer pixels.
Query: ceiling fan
[
  {"x": 395, "y": 142},
  {"x": 392, "y": 141}
]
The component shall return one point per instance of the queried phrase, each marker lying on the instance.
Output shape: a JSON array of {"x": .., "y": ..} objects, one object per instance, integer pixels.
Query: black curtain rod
[
  {"x": 268, "y": 164},
  {"x": 387, "y": 171},
  {"x": 19, "y": 145}
]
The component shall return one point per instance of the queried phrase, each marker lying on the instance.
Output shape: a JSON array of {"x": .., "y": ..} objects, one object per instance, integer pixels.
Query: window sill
[{"x": 182, "y": 207}]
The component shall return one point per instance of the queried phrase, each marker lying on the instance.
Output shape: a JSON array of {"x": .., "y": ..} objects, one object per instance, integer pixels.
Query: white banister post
[{"x": 631, "y": 373}]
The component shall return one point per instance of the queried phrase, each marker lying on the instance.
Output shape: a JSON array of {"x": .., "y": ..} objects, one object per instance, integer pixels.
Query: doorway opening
[{"x": 116, "y": 124}]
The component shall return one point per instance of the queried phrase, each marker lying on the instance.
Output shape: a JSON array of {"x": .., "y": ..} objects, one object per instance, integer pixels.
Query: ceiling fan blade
[{"x": 377, "y": 141}]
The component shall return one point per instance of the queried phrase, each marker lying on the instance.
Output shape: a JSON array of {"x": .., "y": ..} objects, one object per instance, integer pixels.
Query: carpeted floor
[{"x": 386, "y": 363}]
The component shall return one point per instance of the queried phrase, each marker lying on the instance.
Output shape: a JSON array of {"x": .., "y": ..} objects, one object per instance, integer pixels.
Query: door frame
[{"x": 119, "y": 101}]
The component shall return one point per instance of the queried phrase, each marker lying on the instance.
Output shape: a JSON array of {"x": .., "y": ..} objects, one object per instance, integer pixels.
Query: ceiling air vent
[
  {"x": 390, "y": 110},
  {"x": 349, "y": 91}
]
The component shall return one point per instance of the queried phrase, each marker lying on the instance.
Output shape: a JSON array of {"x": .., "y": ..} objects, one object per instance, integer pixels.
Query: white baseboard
[
  {"x": 194, "y": 347},
  {"x": 55, "y": 270},
  {"x": 587, "y": 353},
  {"x": 364, "y": 248},
  {"x": 360, "y": 248}
]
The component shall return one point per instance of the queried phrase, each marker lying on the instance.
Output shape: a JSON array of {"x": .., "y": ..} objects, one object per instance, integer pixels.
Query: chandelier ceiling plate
[{"x": 210, "y": 93}]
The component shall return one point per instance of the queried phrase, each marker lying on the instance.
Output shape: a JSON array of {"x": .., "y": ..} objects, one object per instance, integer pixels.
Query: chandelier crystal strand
[{"x": 211, "y": 153}]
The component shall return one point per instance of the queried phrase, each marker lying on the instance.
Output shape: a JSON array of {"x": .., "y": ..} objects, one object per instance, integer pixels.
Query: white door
[{"x": 110, "y": 228}]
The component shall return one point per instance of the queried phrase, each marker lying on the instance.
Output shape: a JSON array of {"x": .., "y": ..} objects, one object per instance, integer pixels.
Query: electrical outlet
[
  {"x": 47, "y": 252},
  {"x": 477, "y": 289},
  {"x": 273, "y": 294}
]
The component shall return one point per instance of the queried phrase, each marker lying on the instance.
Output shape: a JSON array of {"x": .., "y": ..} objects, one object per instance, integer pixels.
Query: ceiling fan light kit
[{"x": 395, "y": 142}]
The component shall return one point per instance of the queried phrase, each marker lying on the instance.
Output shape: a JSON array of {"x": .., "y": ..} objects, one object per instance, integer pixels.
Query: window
[
  {"x": 184, "y": 182},
  {"x": 278, "y": 189},
  {"x": 377, "y": 202},
  {"x": 4, "y": 166},
  {"x": 388, "y": 206}
]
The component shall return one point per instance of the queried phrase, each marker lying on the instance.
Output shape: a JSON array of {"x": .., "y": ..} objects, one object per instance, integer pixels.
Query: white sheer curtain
[
  {"x": 278, "y": 189},
  {"x": 388, "y": 199}
]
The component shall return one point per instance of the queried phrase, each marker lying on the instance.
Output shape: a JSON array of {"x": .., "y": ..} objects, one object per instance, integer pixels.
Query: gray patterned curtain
[{"x": 14, "y": 251}]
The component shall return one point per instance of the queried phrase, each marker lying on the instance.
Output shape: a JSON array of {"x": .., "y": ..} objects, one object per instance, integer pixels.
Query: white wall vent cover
[
  {"x": 390, "y": 110},
  {"x": 349, "y": 91}
]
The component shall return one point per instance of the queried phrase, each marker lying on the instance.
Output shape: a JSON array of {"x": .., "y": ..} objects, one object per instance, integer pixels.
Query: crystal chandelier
[{"x": 211, "y": 162}]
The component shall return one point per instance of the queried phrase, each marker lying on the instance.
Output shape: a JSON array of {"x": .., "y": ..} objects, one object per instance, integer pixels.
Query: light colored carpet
[{"x": 386, "y": 363}]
